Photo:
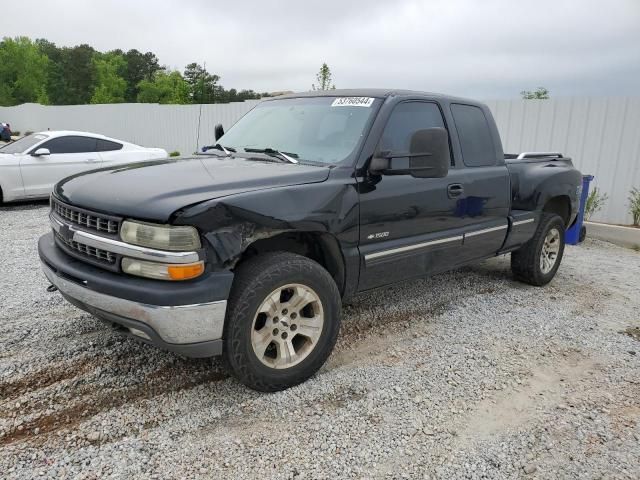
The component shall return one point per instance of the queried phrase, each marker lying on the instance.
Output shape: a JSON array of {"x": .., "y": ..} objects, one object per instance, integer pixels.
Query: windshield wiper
[
  {"x": 289, "y": 157},
  {"x": 217, "y": 146}
]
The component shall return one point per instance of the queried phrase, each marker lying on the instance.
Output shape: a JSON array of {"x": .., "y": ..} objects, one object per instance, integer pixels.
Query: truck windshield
[{"x": 317, "y": 129}]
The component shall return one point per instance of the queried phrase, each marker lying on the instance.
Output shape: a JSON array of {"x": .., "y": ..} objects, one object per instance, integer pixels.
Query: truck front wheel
[
  {"x": 282, "y": 321},
  {"x": 537, "y": 261}
]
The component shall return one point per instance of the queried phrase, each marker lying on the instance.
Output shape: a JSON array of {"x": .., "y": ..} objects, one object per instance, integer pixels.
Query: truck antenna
[{"x": 204, "y": 70}]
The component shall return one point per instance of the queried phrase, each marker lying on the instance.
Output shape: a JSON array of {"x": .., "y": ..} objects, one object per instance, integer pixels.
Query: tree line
[{"x": 41, "y": 72}]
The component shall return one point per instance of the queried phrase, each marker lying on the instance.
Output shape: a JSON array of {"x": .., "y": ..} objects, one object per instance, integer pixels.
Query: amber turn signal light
[
  {"x": 162, "y": 271},
  {"x": 186, "y": 271}
]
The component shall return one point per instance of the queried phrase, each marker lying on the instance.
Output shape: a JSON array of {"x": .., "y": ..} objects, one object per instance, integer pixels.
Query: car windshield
[
  {"x": 316, "y": 129},
  {"x": 24, "y": 144}
]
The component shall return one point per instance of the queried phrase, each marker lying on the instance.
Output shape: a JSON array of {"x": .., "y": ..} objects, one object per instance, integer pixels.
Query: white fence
[
  {"x": 172, "y": 127},
  {"x": 602, "y": 135}
]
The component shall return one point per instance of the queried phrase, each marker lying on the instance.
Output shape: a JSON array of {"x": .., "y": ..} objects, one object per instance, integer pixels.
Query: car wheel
[
  {"x": 282, "y": 322},
  {"x": 583, "y": 234},
  {"x": 538, "y": 260}
]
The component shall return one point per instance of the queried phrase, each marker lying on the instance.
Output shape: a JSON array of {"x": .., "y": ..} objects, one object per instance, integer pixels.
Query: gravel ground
[{"x": 465, "y": 375}]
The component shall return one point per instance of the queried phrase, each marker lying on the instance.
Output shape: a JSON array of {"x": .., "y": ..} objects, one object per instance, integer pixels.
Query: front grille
[
  {"x": 92, "y": 253},
  {"x": 84, "y": 218}
]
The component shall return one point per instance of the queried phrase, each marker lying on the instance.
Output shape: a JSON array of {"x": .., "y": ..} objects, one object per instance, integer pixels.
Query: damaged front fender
[{"x": 232, "y": 224}]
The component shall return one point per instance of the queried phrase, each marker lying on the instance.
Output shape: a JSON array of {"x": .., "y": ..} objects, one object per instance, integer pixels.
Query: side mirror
[
  {"x": 428, "y": 156},
  {"x": 41, "y": 152},
  {"x": 218, "y": 131}
]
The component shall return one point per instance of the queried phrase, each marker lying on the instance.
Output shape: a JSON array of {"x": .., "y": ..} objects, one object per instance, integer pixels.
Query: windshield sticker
[{"x": 353, "y": 102}]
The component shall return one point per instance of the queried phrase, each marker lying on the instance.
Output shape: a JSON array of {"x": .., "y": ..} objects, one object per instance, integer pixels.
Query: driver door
[
  {"x": 407, "y": 228},
  {"x": 69, "y": 155}
]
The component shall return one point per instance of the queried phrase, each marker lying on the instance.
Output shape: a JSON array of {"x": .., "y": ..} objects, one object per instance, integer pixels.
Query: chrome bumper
[{"x": 181, "y": 324}]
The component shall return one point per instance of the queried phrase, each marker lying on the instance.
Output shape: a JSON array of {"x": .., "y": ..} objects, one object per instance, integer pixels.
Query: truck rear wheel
[
  {"x": 282, "y": 321},
  {"x": 538, "y": 260}
]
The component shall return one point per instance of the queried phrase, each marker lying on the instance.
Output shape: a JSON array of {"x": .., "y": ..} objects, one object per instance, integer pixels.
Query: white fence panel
[
  {"x": 602, "y": 135},
  {"x": 172, "y": 127}
]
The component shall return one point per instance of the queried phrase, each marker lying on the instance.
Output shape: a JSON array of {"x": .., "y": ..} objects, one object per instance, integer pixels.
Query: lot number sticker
[{"x": 352, "y": 102}]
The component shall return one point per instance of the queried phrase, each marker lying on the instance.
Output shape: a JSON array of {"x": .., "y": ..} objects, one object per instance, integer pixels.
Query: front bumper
[{"x": 185, "y": 317}]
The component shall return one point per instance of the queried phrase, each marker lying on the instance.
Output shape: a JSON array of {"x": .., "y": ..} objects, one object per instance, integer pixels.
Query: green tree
[
  {"x": 110, "y": 85},
  {"x": 56, "y": 83},
  {"x": 539, "y": 93},
  {"x": 203, "y": 85},
  {"x": 246, "y": 95},
  {"x": 23, "y": 72},
  {"x": 165, "y": 87},
  {"x": 71, "y": 73},
  {"x": 140, "y": 66},
  {"x": 40, "y": 71},
  {"x": 323, "y": 77},
  {"x": 80, "y": 74}
]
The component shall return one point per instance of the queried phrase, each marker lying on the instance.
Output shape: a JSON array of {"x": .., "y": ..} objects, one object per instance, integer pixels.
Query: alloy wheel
[
  {"x": 550, "y": 251},
  {"x": 287, "y": 326}
]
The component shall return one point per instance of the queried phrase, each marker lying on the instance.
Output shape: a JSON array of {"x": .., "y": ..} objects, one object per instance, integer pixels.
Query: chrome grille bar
[
  {"x": 89, "y": 251},
  {"x": 89, "y": 220}
]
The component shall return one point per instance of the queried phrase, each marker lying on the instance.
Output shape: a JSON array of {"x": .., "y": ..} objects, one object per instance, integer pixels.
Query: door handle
[
  {"x": 92, "y": 160},
  {"x": 455, "y": 190}
]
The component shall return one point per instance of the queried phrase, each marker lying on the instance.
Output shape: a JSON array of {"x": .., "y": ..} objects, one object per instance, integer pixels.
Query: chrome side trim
[
  {"x": 522, "y": 222},
  {"x": 125, "y": 249},
  {"x": 408, "y": 248},
  {"x": 486, "y": 230},
  {"x": 175, "y": 324}
]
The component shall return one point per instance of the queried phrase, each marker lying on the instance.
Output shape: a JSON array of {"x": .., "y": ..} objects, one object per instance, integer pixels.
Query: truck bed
[{"x": 533, "y": 172}]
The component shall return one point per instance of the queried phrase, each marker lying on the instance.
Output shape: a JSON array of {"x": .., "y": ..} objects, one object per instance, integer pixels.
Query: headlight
[
  {"x": 162, "y": 237},
  {"x": 162, "y": 271}
]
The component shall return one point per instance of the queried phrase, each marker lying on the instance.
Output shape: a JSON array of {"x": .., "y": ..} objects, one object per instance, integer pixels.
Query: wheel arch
[
  {"x": 321, "y": 247},
  {"x": 561, "y": 206}
]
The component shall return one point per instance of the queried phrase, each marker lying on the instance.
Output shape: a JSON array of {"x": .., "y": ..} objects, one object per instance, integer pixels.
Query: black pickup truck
[{"x": 249, "y": 248}]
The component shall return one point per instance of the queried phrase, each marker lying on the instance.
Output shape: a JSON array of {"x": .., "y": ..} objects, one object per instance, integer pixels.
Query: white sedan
[{"x": 31, "y": 166}]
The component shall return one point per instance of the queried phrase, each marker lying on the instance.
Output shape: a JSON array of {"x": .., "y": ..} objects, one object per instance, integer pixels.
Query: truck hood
[{"x": 154, "y": 190}]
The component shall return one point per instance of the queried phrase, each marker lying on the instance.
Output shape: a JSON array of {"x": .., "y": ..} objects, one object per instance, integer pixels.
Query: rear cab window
[{"x": 474, "y": 135}]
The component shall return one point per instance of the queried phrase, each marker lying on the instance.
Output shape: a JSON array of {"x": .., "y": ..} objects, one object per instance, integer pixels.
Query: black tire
[
  {"x": 255, "y": 280},
  {"x": 525, "y": 262}
]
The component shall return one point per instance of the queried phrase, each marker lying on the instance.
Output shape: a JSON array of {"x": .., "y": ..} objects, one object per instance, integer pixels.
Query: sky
[{"x": 483, "y": 49}]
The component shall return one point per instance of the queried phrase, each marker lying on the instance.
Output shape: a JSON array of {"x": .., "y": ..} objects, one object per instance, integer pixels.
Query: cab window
[
  {"x": 474, "y": 135},
  {"x": 405, "y": 120}
]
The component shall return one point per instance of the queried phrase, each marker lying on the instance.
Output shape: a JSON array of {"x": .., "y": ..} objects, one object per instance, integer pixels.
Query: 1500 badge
[{"x": 378, "y": 235}]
